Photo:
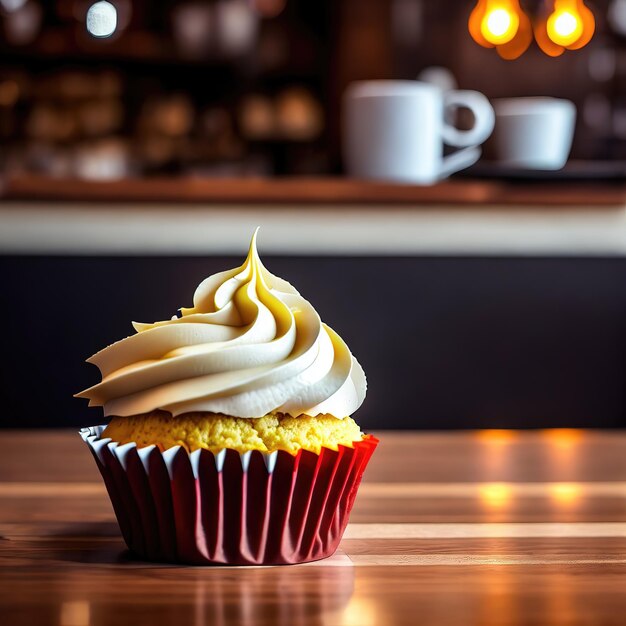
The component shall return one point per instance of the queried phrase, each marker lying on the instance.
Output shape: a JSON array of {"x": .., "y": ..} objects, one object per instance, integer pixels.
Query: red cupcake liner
[{"x": 230, "y": 508}]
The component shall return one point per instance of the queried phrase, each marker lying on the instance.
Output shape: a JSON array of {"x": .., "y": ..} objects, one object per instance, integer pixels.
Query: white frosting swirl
[{"x": 249, "y": 346}]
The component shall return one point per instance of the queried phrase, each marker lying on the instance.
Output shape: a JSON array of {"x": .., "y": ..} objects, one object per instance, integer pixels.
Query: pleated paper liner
[{"x": 230, "y": 508}]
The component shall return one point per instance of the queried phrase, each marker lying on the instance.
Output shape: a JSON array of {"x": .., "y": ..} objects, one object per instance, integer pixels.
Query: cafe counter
[{"x": 308, "y": 216}]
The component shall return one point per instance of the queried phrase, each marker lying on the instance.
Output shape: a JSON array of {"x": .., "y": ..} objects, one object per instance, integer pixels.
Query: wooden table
[{"x": 493, "y": 527}]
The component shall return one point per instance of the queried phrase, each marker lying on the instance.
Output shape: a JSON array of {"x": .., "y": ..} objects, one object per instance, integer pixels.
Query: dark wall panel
[{"x": 445, "y": 342}]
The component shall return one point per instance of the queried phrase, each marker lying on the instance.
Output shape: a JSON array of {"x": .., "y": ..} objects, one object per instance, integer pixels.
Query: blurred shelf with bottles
[
  {"x": 108, "y": 90},
  {"x": 228, "y": 87}
]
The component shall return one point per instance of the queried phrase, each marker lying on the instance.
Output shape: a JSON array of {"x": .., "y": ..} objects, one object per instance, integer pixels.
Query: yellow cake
[{"x": 214, "y": 432}]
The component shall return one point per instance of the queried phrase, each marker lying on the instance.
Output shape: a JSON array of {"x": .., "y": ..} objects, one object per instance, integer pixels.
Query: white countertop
[{"x": 179, "y": 229}]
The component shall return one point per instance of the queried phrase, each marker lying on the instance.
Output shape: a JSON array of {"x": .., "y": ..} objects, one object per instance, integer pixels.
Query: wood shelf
[{"x": 289, "y": 191}]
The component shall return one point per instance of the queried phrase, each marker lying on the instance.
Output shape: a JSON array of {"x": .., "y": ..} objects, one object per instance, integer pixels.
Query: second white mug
[
  {"x": 396, "y": 130},
  {"x": 533, "y": 133}
]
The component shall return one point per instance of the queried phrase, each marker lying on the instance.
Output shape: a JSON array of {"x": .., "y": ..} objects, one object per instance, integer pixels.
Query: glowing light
[
  {"x": 565, "y": 493},
  {"x": 359, "y": 612},
  {"x": 499, "y": 25},
  {"x": 564, "y": 28},
  {"x": 563, "y": 438},
  {"x": 498, "y": 22},
  {"x": 495, "y": 23},
  {"x": 496, "y": 436},
  {"x": 101, "y": 19},
  {"x": 565, "y": 24},
  {"x": 570, "y": 26},
  {"x": 495, "y": 495},
  {"x": 502, "y": 24}
]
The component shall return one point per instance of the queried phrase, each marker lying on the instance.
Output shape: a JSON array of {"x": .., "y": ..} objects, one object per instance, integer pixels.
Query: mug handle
[
  {"x": 484, "y": 121},
  {"x": 459, "y": 160}
]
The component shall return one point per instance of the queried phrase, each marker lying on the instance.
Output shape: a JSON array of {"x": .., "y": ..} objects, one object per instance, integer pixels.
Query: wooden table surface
[{"x": 493, "y": 527}]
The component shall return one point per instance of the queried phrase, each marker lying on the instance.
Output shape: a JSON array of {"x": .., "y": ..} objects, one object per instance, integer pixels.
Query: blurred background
[
  {"x": 253, "y": 87},
  {"x": 140, "y": 143}
]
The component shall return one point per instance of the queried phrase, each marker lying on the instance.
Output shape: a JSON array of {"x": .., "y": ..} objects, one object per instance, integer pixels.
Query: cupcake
[{"x": 230, "y": 438}]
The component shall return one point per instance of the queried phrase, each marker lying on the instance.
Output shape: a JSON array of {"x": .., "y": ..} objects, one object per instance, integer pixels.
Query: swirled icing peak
[{"x": 249, "y": 346}]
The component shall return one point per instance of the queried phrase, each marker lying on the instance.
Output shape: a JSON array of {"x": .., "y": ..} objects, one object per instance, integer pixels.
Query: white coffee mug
[
  {"x": 396, "y": 130},
  {"x": 533, "y": 133}
]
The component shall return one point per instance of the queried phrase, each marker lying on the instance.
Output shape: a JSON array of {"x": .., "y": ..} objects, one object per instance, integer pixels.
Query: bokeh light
[
  {"x": 503, "y": 24},
  {"x": 565, "y": 493},
  {"x": 101, "y": 19},
  {"x": 498, "y": 23},
  {"x": 495, "y": 495},
  {"x": 564, "y": 27}
]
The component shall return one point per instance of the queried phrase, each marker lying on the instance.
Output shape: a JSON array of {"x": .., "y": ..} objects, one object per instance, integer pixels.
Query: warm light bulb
[
  {"x": 565, "y": 24},
  {"x": 570, "y": 25},
  {"x": 564, "y": 27},
  {"x": 498, "y": 22},
  {"x": 499, "y": 25}
]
